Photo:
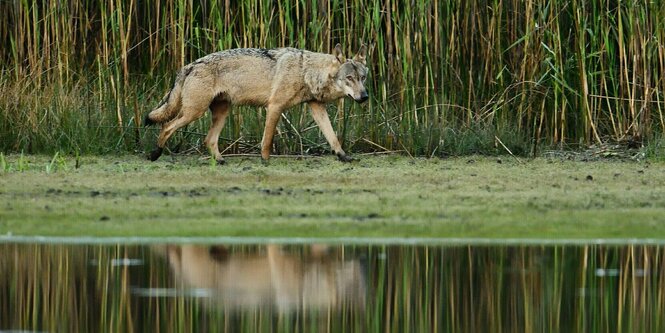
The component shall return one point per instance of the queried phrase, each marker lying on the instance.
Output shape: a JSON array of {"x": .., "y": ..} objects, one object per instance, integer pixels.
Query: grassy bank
[
  {"x": 377, "y": 196},
  {"x": 78, "y": 75}
]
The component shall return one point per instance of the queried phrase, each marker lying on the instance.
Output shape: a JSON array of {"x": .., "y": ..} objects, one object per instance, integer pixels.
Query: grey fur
[{"x": 275, "y": 78}]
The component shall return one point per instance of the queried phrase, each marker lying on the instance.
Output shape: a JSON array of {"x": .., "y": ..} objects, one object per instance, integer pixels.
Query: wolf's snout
[{"x": 363, "y": 97}]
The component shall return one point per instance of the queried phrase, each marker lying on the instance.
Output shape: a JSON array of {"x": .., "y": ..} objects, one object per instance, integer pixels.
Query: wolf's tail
[{"x": 169, "y": 106}]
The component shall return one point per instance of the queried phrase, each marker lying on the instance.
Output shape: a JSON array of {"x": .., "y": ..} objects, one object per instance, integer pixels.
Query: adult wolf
[{"x": 277, "y": 79}]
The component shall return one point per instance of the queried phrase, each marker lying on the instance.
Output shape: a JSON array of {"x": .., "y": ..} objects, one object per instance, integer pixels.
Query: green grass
[{"x": 387, "y": 196}]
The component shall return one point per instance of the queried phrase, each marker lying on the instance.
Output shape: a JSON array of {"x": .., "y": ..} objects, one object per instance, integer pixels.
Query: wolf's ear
[
  {"x": 361, "y": 55},
  {"x": 337, "y": 52}
]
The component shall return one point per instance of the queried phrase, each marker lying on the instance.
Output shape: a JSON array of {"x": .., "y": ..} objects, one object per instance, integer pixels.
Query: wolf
[
  {"x": 273, "y": 78},
  {"x": 318, "y": 279}
]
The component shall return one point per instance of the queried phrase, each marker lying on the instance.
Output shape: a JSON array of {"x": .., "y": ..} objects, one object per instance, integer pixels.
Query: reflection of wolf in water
[
  {"x": 277, "y": 79},
  {"x": 287, "y": 281}
]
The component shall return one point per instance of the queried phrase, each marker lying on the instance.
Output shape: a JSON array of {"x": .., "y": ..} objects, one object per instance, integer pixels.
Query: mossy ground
[{"x": 376, "y": 196}]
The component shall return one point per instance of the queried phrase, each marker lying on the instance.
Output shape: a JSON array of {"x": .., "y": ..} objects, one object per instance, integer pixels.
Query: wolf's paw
[
  {"x": 155, "y": 154},
  {"x": 220, "y": 161},
  {"x": 265, "y": 161},
  {"x": 345, "y": 158}
]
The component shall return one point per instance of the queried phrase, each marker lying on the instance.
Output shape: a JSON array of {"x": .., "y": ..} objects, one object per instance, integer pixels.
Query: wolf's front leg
[
  {"x": 321, "y": 118},
  {"x": 219, "y": 111},
  {"x": 272, "y": 118}
]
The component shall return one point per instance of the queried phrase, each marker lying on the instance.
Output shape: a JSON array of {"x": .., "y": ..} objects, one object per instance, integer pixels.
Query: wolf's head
[{"x": 350, "y": 77}]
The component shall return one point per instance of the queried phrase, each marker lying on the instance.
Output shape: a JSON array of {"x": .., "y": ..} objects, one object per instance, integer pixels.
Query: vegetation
[
  {"x": 318, "y": 197},
  {"x": 447, "y": 77}
]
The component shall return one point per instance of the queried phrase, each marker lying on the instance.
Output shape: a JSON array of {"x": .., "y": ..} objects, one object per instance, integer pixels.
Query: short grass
[{"x": 377, "y": 196}]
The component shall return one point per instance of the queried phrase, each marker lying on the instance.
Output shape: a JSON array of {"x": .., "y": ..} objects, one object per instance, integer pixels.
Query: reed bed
[{"x": 447, "y": 77}]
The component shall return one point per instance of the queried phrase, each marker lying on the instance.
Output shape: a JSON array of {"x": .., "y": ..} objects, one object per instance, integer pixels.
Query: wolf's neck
[{"x": 326, "y": 91}]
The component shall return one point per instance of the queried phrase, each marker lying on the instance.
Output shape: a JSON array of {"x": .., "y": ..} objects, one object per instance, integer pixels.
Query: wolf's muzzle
[{"x": 363, "y": 97}]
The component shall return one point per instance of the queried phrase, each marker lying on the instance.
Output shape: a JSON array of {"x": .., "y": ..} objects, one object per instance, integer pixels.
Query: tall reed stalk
[{"x": 446, "y": 76}]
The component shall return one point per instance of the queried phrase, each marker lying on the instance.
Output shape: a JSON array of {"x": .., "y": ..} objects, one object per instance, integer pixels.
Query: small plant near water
[
  {"x": 22, "y": 163},
  {"x": 4, "y": 166},
  {"x": 58, "y": 162}
]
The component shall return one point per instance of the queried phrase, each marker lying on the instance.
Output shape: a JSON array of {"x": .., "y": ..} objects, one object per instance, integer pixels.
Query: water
[{"x": 317, "y": 288}]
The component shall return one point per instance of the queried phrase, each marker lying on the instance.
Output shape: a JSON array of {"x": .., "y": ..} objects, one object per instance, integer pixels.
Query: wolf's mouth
[{"x": 362, "y": 98}]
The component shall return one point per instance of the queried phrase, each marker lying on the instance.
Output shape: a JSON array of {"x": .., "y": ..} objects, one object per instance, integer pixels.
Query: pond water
[{"x": 319, "y": 288}]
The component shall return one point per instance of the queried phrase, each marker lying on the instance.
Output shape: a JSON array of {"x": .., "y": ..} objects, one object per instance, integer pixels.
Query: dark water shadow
[{"x": 249, "y": 288}]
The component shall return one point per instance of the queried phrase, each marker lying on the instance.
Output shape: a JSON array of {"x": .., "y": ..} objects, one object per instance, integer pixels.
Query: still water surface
[{"x": 318, "y": 288}]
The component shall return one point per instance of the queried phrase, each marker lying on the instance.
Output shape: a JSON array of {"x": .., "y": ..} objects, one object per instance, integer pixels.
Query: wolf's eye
[
  {"x": 349, "y": 77},
  {"x": 362, "y": 78}
]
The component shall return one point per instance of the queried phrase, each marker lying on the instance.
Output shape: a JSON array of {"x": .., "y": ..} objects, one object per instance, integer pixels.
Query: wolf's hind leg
[
  {"x": 189, "y": 114},
  {"x": 219, "y": 110},
  {"x": 321, "y": 118}
]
